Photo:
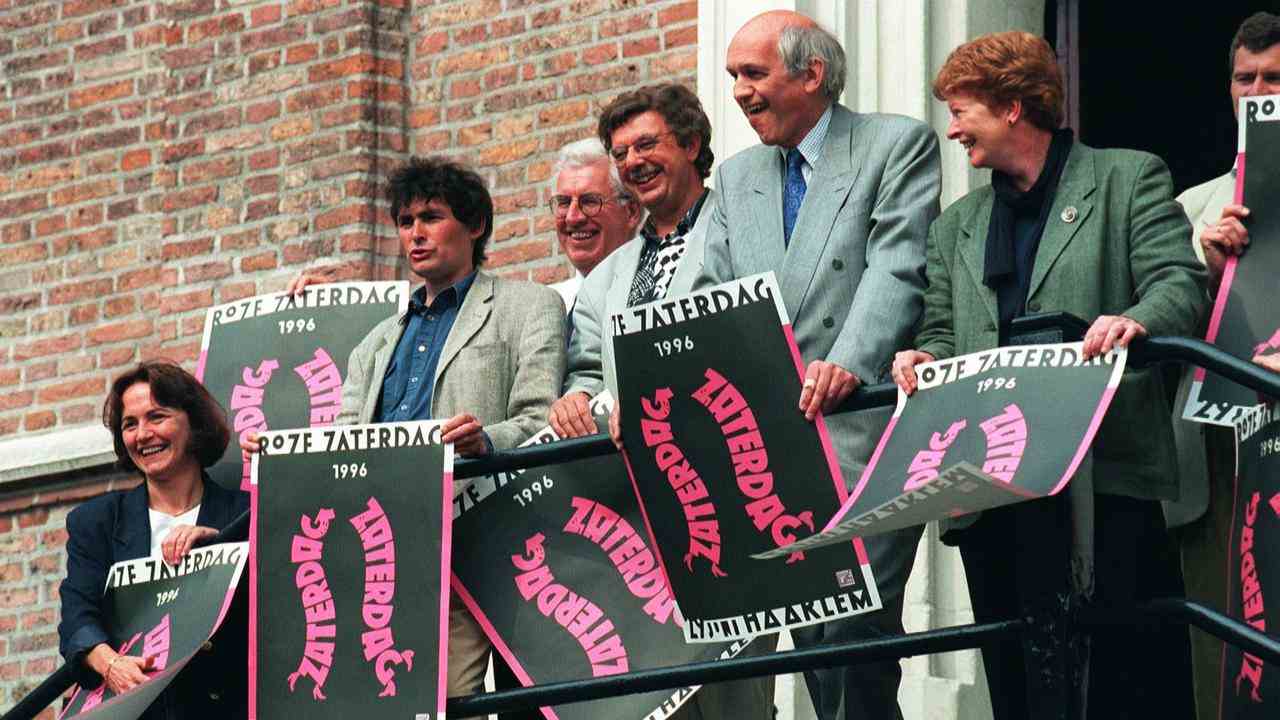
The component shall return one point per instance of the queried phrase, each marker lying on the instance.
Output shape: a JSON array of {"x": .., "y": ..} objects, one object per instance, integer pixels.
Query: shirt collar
[
  {"x": 811, "y": 146},
  {"x": 452, "y": 296},
  {"x": 650, "y": 233}
]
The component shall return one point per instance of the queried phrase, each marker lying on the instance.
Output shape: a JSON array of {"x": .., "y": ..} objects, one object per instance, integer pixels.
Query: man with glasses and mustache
[
  {"x": 660, "y": 140},
  {"x": 594, "y": 212}
]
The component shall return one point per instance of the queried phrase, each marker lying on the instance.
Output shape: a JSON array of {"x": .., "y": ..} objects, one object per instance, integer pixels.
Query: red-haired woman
[{"x": 1061, "y": 227}]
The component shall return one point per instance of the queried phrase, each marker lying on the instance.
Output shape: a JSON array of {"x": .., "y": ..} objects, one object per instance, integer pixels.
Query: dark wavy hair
[
  {"x": 171, "y": 387},
  {"x": 677, "y": 105},
  {"x": 1258, "y": 32},
  {"x": 458, "y": 186}
]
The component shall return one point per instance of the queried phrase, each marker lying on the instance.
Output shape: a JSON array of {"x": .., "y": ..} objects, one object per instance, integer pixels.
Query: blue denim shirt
[{"x": 409, "y": 383}]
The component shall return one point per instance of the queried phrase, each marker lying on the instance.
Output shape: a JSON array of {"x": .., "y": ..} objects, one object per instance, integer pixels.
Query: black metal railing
[{"x": 1170, "y": 610}]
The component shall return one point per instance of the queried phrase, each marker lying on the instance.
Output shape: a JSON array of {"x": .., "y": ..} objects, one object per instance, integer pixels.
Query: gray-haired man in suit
[{"x": 838, "y": 204}]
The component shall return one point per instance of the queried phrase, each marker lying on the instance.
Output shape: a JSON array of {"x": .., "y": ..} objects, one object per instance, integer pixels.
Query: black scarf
[{"x": 1003, "y": 272}]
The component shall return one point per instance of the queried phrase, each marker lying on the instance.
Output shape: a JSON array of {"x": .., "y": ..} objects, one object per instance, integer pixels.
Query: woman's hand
[
  {"x": 904, "y": 368},
  {"x": 1110, "y": 331},
  {"x": 181, "y": 539},
  {"x": 120, "y": 672},
  {"x": 826, "y": 385},
  {"x": 250, "y": 443},
  {"x": 615, "y": 427}
]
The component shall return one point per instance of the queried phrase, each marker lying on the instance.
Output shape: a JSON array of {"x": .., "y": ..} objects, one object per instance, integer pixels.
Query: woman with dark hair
[
  {"x": 168, "y": 428},
  {"x": 1095, "y": 233}
]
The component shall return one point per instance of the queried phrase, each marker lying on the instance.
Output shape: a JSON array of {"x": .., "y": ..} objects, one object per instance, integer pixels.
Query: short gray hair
[
  {"x": 798, "y": 45},
  {"x": 589, "y": 151}
]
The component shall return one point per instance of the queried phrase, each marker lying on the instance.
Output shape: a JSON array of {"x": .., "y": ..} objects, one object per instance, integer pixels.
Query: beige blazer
[{"x": 502, "y": 361}]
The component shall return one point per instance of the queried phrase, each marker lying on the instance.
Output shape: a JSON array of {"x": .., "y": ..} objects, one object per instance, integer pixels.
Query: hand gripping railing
[{"x": 1040, "y": 329}]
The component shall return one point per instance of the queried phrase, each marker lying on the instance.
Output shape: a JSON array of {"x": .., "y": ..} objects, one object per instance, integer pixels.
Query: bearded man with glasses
[{"x": 660, "y": 141}]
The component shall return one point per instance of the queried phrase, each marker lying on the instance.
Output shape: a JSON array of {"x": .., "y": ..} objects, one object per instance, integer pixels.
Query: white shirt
[
  {"x": 811, "y": 146},
  {"x": 162, "y": 523},
  {"x": 568, "y": 289}
]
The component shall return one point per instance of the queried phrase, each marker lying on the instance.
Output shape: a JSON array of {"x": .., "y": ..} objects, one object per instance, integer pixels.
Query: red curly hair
[{"x": 1003, "y": 67}]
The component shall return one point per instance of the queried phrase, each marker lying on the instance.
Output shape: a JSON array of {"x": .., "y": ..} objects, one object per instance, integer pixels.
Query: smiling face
[
  {"x": 157, "y": 438},
  {"x": 1255, "y": 74},
  {"x": 984, "y": 133},
  {"x": 781, "y": 108},
  {"x": 587, "y": 240},
  {"x": 437, "y": 245},
  {"x": 662, "y": 175}
]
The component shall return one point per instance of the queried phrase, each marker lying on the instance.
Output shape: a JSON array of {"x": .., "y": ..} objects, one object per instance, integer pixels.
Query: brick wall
[{"x": 160, "y": 157}]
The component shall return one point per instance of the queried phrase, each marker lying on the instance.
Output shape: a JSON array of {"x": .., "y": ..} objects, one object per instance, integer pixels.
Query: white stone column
[{"x": 894, "y": 49}]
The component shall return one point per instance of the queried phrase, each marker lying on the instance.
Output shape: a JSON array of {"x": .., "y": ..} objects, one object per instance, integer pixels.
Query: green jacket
[{"x": 1115, "y": 243}]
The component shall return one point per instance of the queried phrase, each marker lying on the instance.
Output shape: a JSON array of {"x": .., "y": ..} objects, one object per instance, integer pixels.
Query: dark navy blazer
[{"x": 115, "y": 527}]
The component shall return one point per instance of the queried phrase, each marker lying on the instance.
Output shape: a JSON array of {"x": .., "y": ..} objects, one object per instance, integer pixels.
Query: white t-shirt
[{"x": 162, "y": 523}]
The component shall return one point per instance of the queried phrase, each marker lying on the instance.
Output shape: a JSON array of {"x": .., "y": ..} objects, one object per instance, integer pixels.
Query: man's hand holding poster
[
  {"x": 982, "y": 430},
  {"x": 165, "y": 613},
  {"x": 350, "y": 552},
  {"x": 1251, "y": 689},
  {"x": 278, "y": 360},
  {"x": 1246, "y": 318},
  {"x": 556, "y": 565},
  {"x": 726, "y": 466}
]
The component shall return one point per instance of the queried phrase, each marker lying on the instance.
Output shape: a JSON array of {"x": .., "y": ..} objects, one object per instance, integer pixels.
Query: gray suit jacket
[
  {"x": 852, "y": 279},
  {"x": 604, "y": 292},
  {"x": 502, "y": 361}
]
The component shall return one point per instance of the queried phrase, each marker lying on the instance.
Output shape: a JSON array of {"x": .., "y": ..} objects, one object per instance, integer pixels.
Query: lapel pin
[{"x": 1069, "y": 214}]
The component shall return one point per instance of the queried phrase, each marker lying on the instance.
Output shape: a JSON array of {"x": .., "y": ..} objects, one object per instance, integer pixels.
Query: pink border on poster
[
  {"x": 866, "y": 472},
  {"x": 446, "y": 551},
  {"x": 1228, "y": 273},
  {"x": 1087, "y": 441},
  {"x": 253, "y": 603},
  {"x": 204, "y": 354},
  {"x": 492, "y": 633}
]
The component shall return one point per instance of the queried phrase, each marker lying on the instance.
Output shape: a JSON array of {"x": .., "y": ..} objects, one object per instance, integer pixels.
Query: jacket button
[
  {"x": 838, "y": 264},
  {"x": 828, "y": 322},
  {"x": 214, "y": 696},
  {"x": 1033, "y": 306},
  {"x": 207, "y": 646}
]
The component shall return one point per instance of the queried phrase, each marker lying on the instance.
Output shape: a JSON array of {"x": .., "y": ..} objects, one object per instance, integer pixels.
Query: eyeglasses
[
  {"x": 589, "y": 203},
  {"x": 643, "y": 146}
]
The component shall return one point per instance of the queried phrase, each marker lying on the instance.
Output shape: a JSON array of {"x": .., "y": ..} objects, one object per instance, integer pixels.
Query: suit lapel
[
  {"x": 1076, "y": 185},
  {"x": 763, "y": 244},
  {"x": 620, "y": 284},
  {"x": 471, "y": 316},
  {"x": 827, "y": 191},
  {"x": 973, "y": 254},
  {"x": 381, "y": 361},
  {"x": 132, "y": 535},
  {"x": 691, "y": 260}
]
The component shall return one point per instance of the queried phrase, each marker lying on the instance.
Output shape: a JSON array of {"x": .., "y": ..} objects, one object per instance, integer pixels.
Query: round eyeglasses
[{"x": 590, "y": 204}]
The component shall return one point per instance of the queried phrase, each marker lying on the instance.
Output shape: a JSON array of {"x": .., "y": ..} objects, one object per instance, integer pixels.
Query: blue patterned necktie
[{"x": 793, "y": 188}]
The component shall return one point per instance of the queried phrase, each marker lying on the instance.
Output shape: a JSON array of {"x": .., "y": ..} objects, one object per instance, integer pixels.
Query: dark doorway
[{"x": 1154, "y": 76}]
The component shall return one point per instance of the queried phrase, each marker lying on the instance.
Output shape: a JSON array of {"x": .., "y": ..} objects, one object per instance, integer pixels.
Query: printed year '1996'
[
  {"x": 672, "y": 346},
  {"x": 293, "y": 327},
  {"x": 997, "y": 383},
  {"x": 529, "y": 494}
]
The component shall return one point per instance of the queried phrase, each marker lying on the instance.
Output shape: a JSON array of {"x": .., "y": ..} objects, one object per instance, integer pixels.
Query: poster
[
  {"x": 1251, "y": 688},
  {"x": 165, "y": 612},
  {"x": 278, "y": 360},
  {"x": 725, "y": 465},
  {"x": 348, "y": 613},
  {"x": 1246, "y": 318},
  {"x": 556, "y": 565},
  {"x": 982, "y": 430}
]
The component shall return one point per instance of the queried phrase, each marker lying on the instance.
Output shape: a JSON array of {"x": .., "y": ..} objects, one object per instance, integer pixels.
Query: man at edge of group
[
  {"x": 660, "y": 139},
  {"x": 838, "y": 204},
  {"x": 1201, "y": 517}
]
